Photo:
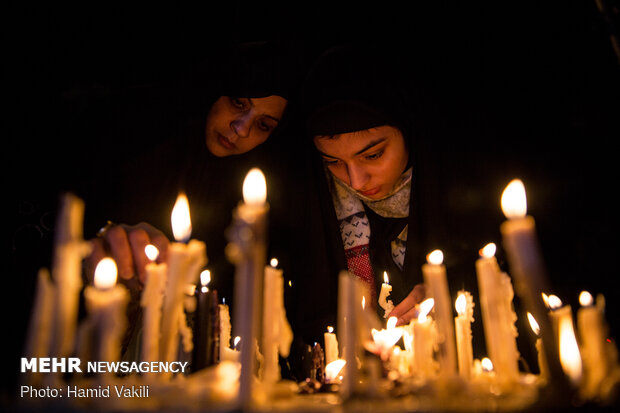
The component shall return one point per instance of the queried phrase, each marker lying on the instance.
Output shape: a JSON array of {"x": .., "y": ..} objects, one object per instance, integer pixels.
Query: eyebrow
[
  {"x": 364, "y": 149},
  {"x": 265, "y": 114}
]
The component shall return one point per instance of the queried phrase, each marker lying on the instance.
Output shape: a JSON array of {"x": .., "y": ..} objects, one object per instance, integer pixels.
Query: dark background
[{"x": 526, "y": 89}]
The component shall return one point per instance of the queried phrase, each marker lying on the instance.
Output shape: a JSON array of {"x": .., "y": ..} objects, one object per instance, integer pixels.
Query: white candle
[
  {"x": 498, "y": 316},
  {"x": 185, "y": 261},
  {"x": 247, "y": 250},
  {"x": 592, "y": 335},
  {"x": 424, "y": 341},
  {"x": 277, "y": 333},
  {"x": 39, "y": 329},
  {"x": 521, "y": 244},
  {"x": 106, "y": 302},
  {"x": 331, "y": 346},
  {"x": 151, "y": 302},
  {"x": 436, "y": 283},
  {"x": 69, "y": 251},
  {"x": 462, "y": 322},
  {"x": 386, "y": 289}
]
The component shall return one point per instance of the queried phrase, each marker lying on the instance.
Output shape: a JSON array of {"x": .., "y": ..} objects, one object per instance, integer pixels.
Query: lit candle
[
  {"x": 385, "y": 339},
  {"x": 247, "y": 250},
  {"x": 462, "y": 322},
  {"x": 542, "y": 363},
  {"x": 498, "y": 316},
  {"x": 386, "y": 289},
  {"x": 185, "y": 261},
  {"x": 206, "y": 334},
  {"x": 331, "y": 346},
  {"x": 277, "y": 334},
  {"x": 592, "y": 335},
  {"x": 333, "y": 371},
  {"x": 151, "y": 301},
  {"x": 106, "y": 302},
  {"x": 437, "y": 287},
  {"x": 521, "y": 244},
  {"x": 424, "y": 341},
  {"x": 69, "y": 251}
]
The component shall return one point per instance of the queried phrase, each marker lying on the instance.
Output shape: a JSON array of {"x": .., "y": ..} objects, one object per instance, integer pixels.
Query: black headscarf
[{"x": 350, "y": 88}]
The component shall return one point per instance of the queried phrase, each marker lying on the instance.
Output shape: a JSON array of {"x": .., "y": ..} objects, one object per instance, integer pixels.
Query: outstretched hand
[
  {"x": 406, "y": 310},
  {"x": 125, "y": 244}
]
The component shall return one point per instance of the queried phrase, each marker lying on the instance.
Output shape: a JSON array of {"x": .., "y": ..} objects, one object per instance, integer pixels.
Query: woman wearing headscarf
[{"x": 362, "y": 203}]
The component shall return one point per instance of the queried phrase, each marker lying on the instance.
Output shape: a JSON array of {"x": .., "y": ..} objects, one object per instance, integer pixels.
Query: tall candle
[
  {"x": 185, "y": 261},
  {"x": 69, "y": 251},
  {"x": 521, "y": 244},
  {"x": 436, "y": 283},
  {"x": 277, "y": 333},
  {"x": 331, "y": 345},
  {"x": 592, "y": 335},
  {"x": 424, "y": 341},
  {"x": 151, "y": 301},
  {"x": 386, "y": 289},
  {"x": 247, "y": 250},
  {"x": 462, "y": 322},
  {"x": 106, "y": 303},
  {"x": 498, "y": 316},
  {"x": 206, "y": 326}
]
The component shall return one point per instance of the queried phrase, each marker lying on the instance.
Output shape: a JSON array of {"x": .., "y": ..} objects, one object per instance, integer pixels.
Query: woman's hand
[
  {"x": 406, "y": 310},
  {"x": 125, "y": 244}
]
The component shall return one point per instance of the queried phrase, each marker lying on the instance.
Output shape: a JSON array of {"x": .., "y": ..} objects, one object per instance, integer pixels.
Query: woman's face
[
  {"x": 369, "y": 161},
  {"x": 238, "y": 125}
]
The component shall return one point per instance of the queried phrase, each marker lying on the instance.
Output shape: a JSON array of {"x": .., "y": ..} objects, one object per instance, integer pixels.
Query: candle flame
[
  {"x": 570, "y": 359},
  {"x": 488, "y": 251},
  {"x": 205, "y": 277},
  {"x": 273, "y": 262},
  {"x": 387, "y": 338},
  {"x": 105, "y": 273},
  {"x": 585, "y": 299},
  {"x": 435, "y": 257},
  {"x": 363, "y": 302},
  {"x": 391, "y": 322},
  {"x": 333, "y": 369},
  {"x": 545, "y": 298},
  {"x": 254, "y": 188},
  {"x": 181, "y": 222},
  {"x": 461, "y": 304},
  {"x": 330, "y": 329},
  {"x": 486, "y": 364},
  {"x": 385, "y": 277},
  {"x": 554, "y": 302},
  {"x": 425, "y": 307},
  {"x": 151, "y": 252},
  {"x": 236, "y": 341},
  {"x": 533, "y": 323},
  {"x": 514, "y": 201}
]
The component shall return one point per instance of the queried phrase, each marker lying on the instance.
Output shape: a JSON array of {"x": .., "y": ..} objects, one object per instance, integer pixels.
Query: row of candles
[
  {"x": 436, "y": 344},
  {"x": 440, "y": 346}
]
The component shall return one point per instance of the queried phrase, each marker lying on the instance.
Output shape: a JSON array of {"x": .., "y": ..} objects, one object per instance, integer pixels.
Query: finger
[
  {"x": 138, "y": 239},
  {"x": 407, "y": 316},
  {"x": 120, "y": 249},
  {"x": 404, "y": 306},
  {"x": 98, "y": 252},
  {"x": 158, "y": 238}
]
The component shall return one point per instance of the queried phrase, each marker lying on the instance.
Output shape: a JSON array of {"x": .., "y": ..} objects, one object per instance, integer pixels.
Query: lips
[
  {"x": 225, "y": 142},
  {"x": 371, "y": 192}
]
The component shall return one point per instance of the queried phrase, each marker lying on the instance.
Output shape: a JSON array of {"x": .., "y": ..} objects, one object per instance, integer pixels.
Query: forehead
[
  {"x": 273, "y": 105},
  {"x": 350, "y": 144}
]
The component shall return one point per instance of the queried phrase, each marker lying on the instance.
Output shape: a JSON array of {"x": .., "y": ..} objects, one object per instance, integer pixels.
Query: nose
[
  {"x": 241, "y": 125},
  {"x": 358, "y": 176}
]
